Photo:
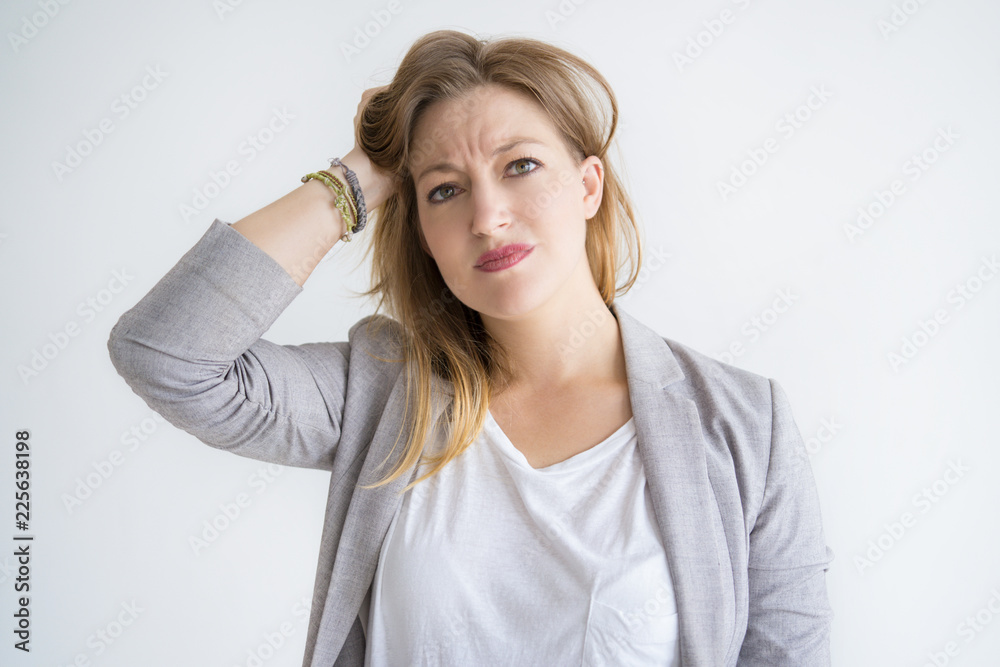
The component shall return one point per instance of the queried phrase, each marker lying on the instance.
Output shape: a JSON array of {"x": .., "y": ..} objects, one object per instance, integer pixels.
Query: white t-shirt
[{"x": 493, "y": 562}]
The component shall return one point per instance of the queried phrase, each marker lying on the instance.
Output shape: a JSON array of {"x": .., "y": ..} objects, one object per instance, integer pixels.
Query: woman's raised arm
[
  {"x": 300, "y": 228},
  {"x": 192, "y": 349}
]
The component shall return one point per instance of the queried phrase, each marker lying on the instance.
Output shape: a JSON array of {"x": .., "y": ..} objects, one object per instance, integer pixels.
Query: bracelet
[
  {"x": 350, "y": 199},
  {"x": 359, "y": 197},
  {"x": 341, "y": 201}
]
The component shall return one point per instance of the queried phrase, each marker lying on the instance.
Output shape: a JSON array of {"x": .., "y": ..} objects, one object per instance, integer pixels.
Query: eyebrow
[{"x": 448, "y": 166}]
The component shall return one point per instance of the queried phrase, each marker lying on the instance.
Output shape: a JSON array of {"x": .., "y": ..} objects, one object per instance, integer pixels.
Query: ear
[{"x": 592, "y": 172}]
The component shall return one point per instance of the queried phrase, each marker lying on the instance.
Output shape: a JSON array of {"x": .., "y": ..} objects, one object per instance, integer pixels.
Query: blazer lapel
[
  {"x": 371, "y": 512},
  {"x": 672, "y": 450}
]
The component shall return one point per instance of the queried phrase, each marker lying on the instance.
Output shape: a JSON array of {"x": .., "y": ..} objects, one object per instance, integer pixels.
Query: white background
[{"x": 684, "y": 129}]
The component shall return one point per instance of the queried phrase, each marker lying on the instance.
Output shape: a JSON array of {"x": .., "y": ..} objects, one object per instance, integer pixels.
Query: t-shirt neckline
[{"x": 573, "y": 463}]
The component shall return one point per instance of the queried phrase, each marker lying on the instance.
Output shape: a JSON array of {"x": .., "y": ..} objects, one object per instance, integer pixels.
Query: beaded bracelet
[
  {"x": 350, "y": 198},
  {"x": 341, "y": 201},
  {"x": 359, "y": 197}
]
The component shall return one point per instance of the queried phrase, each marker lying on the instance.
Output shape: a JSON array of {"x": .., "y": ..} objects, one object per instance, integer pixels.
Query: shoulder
[
  {"x": 712, "y": 382},
  {"x": 728, "y": 399},
  {"x": 378, "y": 334},
  {"x": 738, "y": 409},
  {"x": 746, "y": 422}
]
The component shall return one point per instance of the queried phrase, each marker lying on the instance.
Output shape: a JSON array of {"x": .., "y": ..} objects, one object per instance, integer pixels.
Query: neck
[{"x": 577, "y": 341}]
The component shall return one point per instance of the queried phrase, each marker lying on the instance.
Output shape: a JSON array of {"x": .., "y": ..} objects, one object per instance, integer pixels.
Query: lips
[{"x": 508, "y": 253}]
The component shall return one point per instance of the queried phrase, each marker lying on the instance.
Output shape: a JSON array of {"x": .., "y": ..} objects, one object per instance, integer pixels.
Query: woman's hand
[
  {"x": 377, "y": 185},
  {"x": 365, "y": 98}
]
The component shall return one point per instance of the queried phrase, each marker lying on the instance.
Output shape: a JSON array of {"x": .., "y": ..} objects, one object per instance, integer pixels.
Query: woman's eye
[
  {"x": 522, "y": 166},
  {"x": 447, "y": 190}
]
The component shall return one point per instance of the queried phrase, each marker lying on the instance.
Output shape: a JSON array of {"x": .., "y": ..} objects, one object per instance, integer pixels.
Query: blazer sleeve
[
  {"x": 789, "y": 615},
  {"x": 192, "y": 350}
]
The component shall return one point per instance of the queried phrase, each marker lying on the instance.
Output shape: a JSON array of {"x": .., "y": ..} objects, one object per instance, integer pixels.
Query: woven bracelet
[{"x": 359, "y": 197}]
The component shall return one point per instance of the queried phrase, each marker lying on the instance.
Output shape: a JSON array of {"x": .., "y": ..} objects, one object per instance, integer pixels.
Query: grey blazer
[{"x": 731, "y": 484}]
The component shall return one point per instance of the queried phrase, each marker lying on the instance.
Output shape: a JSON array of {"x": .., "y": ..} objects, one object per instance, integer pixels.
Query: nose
[{"x": 491, "y": 208}]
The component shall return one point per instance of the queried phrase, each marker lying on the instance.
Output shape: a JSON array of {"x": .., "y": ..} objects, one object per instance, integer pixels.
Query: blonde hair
[{"x": 441, "y": 335}]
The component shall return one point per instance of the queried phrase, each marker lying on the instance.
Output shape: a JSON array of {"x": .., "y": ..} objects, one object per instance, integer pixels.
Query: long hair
[{"x": 441, "y": 335}]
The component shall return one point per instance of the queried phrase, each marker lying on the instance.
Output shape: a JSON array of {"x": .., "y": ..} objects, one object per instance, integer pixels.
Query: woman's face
[{"x": 491, "y": 170}]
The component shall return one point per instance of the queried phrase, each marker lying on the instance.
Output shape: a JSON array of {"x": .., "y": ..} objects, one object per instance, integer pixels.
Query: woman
[{"x": 571, "y": 488}]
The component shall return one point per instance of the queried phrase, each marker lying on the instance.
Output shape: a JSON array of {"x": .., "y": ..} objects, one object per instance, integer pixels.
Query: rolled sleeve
[
  {"x": 789, "y": 615},
  {"x": 192, "y": 350}
]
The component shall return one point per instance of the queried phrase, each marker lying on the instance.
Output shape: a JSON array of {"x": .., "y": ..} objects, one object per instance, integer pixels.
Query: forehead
[{"x": 477, "y": 123}]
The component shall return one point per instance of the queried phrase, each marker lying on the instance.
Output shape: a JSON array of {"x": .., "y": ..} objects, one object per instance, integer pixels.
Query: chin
[{"x": 511, "y": 306}]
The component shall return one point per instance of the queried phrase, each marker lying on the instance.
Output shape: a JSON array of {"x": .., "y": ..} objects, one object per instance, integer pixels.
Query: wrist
[{"x": 374, "y": 185}]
